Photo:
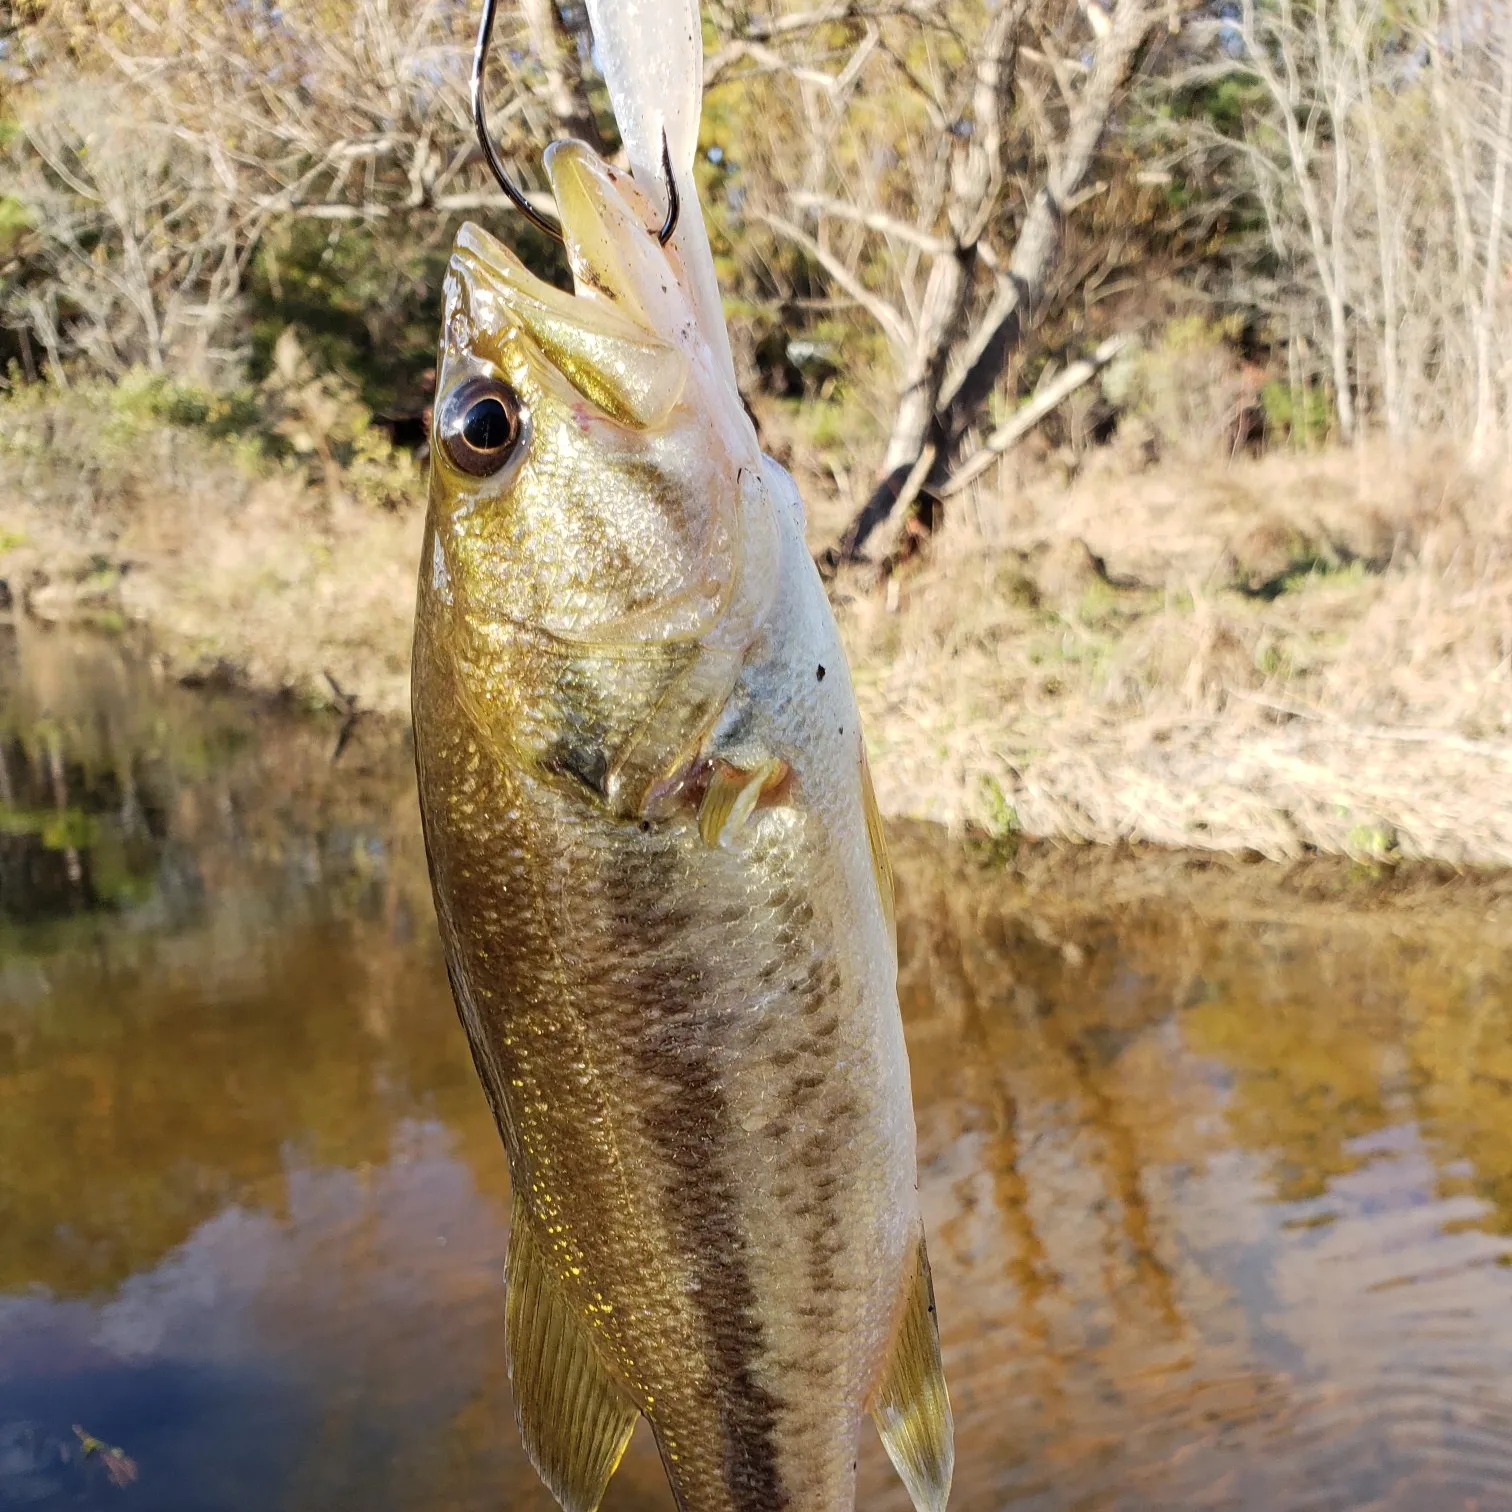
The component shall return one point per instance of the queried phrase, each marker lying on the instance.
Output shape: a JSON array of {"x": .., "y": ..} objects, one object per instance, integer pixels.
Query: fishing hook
[
  {"x": 515, "y": 195},
  {"x": 674, "y": 200},
  {"x": 485, "y": 141}
]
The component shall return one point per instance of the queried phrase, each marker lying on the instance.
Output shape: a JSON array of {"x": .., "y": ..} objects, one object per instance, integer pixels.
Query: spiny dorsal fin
[
  {"x": 912, "y": 1407},
  {"x": 877, "y": 838},
  {"x": 574, "y": 1420}
]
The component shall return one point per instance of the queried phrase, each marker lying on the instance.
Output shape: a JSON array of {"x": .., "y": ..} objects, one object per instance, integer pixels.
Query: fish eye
[{"x": 482, "y": 423}]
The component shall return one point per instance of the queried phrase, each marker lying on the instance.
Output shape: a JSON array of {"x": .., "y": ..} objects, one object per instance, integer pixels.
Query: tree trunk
[
  {"x": 1485, "y": 394},
  {"x": 914, "y": 425},
  {"x": 1287, "y": 95},
  {"x": 951, "y": 369},
  {"x": 1338, "y": 353},
  {"x": 1387, "y": 237},
  {"x": 976, "y": 177}
]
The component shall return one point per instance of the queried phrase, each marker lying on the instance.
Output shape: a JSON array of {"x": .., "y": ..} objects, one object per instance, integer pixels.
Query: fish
[{"x": 663, "y": 890}]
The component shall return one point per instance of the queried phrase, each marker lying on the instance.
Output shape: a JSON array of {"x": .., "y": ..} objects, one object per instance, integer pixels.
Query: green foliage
[
  {"x": 1304, "y": 423},
  {"x": 1227, "y": 102},
  {"x": 1323, "y": 569},
  {"x": 1374, "y": 844},
  {"x": 321, "y": 419},
  {"x": 719, "y": 187},
  {"x": 366, "y": 307},
  {"x": 142, "y": 397},
  {"x": 1185, "y": 385},
  {"x": 366, "y": 299},
  {"x": 824, "y": 423},
  {"x": 56, "y": 829},
  {"x": 1274, "y": 662},
  {"x": 1193, "y": 334},
  {"x": 298, "y": 418},
  {"x": 1000, "y": 820},
  {"x": 15, "y": 221}
]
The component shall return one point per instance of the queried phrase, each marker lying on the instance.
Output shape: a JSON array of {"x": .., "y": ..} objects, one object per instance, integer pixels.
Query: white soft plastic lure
[
  {"x": 651, "y": 52},
  {"x": 658, "y": 867}
]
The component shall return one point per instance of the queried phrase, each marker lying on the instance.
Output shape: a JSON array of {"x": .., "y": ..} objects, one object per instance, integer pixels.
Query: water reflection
[
  {"x": 1219, "y": 1199},
  {"x": 1218, "y": 1187}
]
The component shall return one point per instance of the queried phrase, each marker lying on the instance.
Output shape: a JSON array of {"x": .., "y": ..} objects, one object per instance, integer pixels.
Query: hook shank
[
  {"x": 516, "y": 195},
  {"x": 485, "y": 141},
  {"x": 674, "y": 200}
]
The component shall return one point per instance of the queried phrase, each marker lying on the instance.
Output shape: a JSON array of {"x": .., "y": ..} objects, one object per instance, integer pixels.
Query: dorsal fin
[
  {"x": 876, "y": 837},
  {"x": 574, "y": 1420}
]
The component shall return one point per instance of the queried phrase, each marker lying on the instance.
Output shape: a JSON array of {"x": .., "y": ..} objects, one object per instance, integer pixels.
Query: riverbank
[{"x": 1278, "y": 657}]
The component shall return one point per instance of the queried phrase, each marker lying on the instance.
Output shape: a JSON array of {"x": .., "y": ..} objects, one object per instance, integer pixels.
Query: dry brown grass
[
  {"x": 273, "y": 590},
  {"x": 238, "y": 567},
  {"x": 1275, "y": 656}
]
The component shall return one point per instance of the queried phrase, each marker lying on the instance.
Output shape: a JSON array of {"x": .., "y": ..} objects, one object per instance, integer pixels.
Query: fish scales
[{"x": 642, "y": 781}]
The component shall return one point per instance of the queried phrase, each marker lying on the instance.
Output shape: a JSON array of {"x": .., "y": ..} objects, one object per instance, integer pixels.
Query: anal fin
[
  {"x": 912, "y": 1408},
  {"x": 574, "y": 1420}
]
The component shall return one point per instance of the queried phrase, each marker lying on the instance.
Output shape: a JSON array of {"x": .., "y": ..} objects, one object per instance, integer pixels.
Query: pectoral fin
[
  {"x": 574, "y": 1420},
  {"x": 912, "y": 1407},
  {"x": 672, "y": 732},
  {"x": 732, "y": 795}
]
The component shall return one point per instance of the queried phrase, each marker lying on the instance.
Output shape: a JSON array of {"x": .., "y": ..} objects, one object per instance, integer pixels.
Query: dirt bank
[{"x": 1278, "y": 657}]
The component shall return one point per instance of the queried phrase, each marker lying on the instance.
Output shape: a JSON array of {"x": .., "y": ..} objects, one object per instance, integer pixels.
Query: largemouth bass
[{"x": 664, "y": 894}]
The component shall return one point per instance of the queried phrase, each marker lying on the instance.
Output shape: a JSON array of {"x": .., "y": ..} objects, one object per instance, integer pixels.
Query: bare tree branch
[
  {"x": 874, "y": 220},
  {"x": 886, "y": 316},
  {"x": 1030, "y": 415}
]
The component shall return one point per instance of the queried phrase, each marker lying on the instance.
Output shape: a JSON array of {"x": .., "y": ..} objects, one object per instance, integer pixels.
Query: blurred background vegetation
[
  {"x": 1146, "y": 368},
  {"x": 924, "y": 209}
]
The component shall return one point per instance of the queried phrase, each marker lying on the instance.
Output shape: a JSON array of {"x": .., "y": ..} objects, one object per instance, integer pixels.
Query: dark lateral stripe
[{"x": 688, "y": 1120}]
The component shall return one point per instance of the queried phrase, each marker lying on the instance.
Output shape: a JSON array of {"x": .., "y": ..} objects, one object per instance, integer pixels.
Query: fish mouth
[
  {"x": 623, "y": 338},
  {"x": 609, "y": 228}
]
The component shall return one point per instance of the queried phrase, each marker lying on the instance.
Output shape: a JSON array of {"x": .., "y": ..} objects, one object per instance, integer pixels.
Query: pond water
[{"x": 1218, "y": 1182}]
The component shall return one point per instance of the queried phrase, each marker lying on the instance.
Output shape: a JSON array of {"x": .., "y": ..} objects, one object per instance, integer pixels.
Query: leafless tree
[
  {"x": 1380, "y": 151},
  {"x": 160, "y": 138},
  {"x": 941, "y": 151}
]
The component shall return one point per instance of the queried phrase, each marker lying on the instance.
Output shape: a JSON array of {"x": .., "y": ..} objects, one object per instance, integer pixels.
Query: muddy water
[{"x": 1218, "y": 1175}]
